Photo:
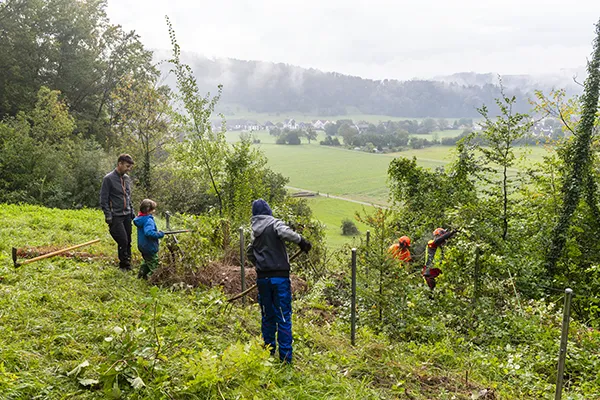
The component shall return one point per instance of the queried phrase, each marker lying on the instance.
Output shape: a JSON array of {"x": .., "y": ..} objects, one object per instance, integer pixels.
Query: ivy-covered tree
[{"x": 580, "y": 158}]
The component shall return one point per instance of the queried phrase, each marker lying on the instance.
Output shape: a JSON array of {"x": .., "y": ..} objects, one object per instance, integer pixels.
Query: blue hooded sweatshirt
[{"x": 148, "y": 234}]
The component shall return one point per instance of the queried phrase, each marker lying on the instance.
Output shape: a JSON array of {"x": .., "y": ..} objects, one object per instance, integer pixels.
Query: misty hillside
[
  {"x": 275, "y": 87},
  {"x": 563, "y": 79}
]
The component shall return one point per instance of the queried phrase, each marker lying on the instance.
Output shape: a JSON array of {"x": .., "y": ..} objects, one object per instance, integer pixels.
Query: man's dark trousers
[
  {"x": 120, "y": 230},
  {"x": 275, "y": 299}
]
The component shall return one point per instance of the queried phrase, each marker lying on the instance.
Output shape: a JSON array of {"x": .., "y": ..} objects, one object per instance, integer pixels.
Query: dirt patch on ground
[
  {"x": 317, "y": 315},
  {"x": 218, "y": 274},
  {"x": 230, "y": 279},
  {"x": 464, "y": 389}
]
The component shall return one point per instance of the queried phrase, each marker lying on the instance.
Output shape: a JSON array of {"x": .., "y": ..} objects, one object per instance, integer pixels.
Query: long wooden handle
[
  {"x": 245, "y": 292},
  {"x": 55, "y": 253},
  {"x": 292, "y": 258},
  {"x": 177, "y": 231}
]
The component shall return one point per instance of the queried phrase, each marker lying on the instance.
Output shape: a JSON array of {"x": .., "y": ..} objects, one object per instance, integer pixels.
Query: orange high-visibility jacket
[{"x": 399, "y": 253}]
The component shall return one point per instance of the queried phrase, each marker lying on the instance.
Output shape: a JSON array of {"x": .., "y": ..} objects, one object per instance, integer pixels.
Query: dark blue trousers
[{"x": 275, "y": 299}]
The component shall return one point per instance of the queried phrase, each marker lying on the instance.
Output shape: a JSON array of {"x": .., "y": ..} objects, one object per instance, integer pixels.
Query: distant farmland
[{"x": 348, "y": 173}]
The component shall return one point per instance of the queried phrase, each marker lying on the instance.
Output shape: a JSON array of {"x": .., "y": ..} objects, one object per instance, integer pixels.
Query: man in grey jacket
[
  {"x": 115, "y": 200},
  {"x": 267, "y": 252}
]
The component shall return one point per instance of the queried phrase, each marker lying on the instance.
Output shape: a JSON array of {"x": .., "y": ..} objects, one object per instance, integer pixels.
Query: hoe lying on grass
[{"x": 54, "y": 253}]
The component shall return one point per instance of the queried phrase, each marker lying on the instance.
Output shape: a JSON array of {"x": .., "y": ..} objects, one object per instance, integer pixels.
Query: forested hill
[
  {"x": 270, "y": 87},
  {"x": 566, "y": 78}
]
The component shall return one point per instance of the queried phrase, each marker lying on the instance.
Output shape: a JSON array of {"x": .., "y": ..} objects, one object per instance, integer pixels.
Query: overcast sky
[{"x": 376, "y": 38}]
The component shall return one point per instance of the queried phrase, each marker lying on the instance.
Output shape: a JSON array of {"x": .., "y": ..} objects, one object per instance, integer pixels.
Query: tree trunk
[
  {"x": 572, "y": 187},
  {"x": 505, "y": 205},
  {"x": 147, "y": 177}
]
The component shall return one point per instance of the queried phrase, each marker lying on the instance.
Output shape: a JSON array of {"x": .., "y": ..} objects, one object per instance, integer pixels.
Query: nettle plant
[
  {"x": 242, "y": 368},
  {"x": 133, "y": 355}
]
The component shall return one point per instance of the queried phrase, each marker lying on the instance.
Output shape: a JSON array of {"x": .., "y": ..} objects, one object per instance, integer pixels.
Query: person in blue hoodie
[
  {"x": 148, "y": 236},
  {"x": 268, "y": 254}
]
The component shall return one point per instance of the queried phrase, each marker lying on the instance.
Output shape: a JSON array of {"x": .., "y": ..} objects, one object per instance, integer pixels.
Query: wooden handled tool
[
  {"x": 54, "y": 253},
  {"x": 251, "y": 288}
]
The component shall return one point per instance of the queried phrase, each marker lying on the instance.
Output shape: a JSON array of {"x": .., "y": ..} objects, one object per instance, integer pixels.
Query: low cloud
[{"x": 375, "y": 38}]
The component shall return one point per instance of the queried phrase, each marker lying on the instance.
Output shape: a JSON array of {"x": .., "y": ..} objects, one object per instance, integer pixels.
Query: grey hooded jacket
[
  {"x": 115, "y": 196},
  {"x": 268, "y": 248}
]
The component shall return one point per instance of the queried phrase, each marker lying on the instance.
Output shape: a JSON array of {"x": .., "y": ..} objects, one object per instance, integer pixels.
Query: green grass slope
[
  {"x": 331, "y": 212},
  {"x": 78, "y": 328}
]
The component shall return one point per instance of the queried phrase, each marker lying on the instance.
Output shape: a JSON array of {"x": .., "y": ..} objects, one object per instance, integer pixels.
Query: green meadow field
[
  {"x": 350, "y": 174},
  {"x": 331, "y": 212}
]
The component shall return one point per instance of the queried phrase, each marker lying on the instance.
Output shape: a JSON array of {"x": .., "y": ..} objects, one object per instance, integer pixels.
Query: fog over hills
[
  {"x": 276, "y": 87},
  {"x": 567, "y": 79}
]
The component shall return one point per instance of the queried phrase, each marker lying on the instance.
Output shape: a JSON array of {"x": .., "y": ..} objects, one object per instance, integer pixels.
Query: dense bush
[
  {"x": 289, "y": 137},
  {"x": 349, "y": 228},
  {"x": 43, "y": 162},
  {"x": 330, "y": 141}
]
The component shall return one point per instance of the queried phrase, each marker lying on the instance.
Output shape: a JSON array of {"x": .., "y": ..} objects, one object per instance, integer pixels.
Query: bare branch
[
  {"x": 540, "y": 119},
  {"x": 562, "y": 118}
]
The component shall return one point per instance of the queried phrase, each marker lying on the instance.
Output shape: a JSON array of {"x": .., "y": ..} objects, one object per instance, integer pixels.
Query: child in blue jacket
[{"x": 148, "y": 236}]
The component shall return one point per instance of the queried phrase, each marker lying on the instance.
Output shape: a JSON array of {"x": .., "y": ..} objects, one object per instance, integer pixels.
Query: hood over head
[{"x": 261, "y": 207}]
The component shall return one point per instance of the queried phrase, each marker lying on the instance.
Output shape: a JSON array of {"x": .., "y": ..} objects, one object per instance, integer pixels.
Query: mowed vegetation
[{"x": 80, "y": 328}]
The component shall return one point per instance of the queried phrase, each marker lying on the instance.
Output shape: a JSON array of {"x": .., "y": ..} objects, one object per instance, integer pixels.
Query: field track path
[{"x": 364, "y": 203}]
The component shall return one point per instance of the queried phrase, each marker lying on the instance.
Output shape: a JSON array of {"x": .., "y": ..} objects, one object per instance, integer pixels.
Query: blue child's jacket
[{"x": 148, "y": 234}]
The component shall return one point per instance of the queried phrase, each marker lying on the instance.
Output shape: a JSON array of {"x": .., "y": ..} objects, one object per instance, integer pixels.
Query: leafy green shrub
[
  {"x": 330, "y": 141},
  {"x": 181, "y": 260},
  {"x": 42, "y": 162},
  {"x": 349, "y": 228},
  {"x": 239, "y": 364},
  {"x": 298, "y": 215}
]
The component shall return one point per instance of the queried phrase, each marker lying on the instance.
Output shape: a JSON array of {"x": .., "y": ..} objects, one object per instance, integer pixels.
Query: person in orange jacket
[
  {"x": 440, "y": 237},
  {"x": 400, "y": 250}
]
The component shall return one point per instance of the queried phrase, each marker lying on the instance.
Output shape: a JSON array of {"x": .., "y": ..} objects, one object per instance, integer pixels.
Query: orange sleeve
[{"x": 404, "y": 256}]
